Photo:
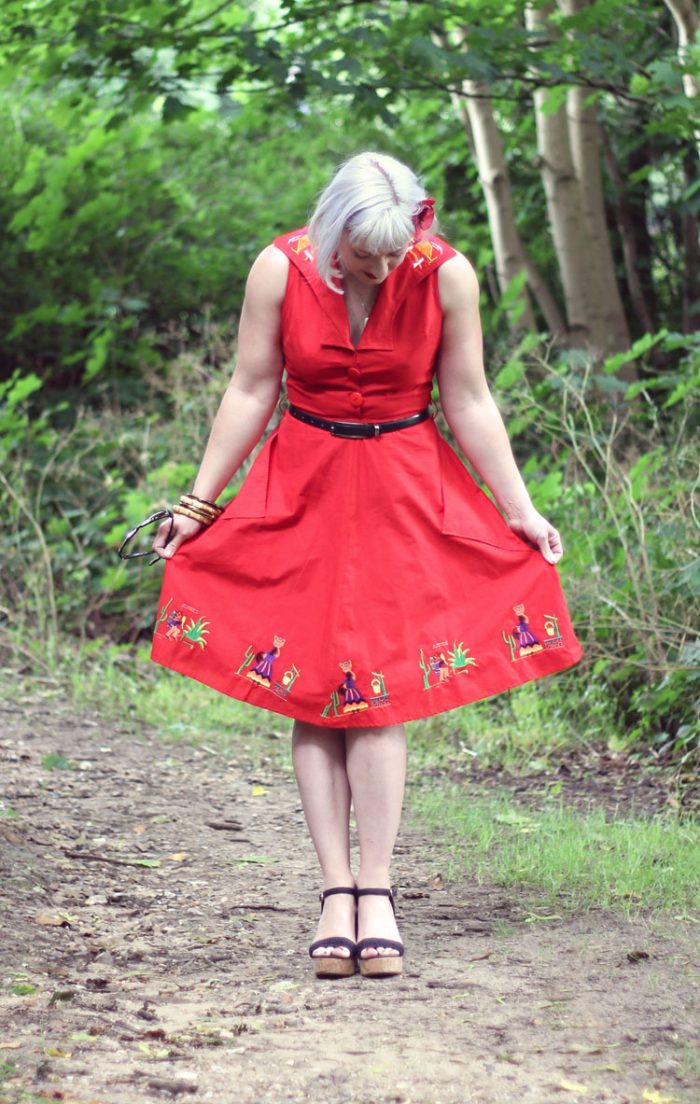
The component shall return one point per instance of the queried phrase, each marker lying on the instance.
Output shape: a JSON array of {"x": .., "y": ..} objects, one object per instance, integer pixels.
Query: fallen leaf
[
  {"x": 52, "y": 920},
  {"x": 637, "y": 956},
  {"x": 437, "y": 882},
  {"x": 152, "y": 1052},
  {"x": 262, "y": 860},
  {"x": 179, "y": 856},
  {"x": 259, "y": 791},
  {"x": 573, "y": 1087},
  {"x": 56, "y": 1052},
  {"x": 654, "y": 1097},
  {"x": 14, "y": 1045},
  {"x": 139, "y": 829}
]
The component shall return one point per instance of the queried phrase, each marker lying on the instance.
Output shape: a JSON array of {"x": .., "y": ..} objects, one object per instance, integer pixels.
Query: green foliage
[
  {"x": 575, "y": 859},
  {"x": 618, "y": 476}
]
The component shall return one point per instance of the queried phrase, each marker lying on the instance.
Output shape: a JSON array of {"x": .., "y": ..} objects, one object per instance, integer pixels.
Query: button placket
[{"x": 354, "y": 377}]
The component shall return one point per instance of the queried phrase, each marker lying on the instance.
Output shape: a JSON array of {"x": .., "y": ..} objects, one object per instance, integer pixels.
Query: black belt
[{"x": 357, "y": 429}]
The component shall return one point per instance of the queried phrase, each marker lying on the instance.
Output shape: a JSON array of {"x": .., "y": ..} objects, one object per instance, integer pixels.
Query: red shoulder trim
[{"x": 422, "y": 258}]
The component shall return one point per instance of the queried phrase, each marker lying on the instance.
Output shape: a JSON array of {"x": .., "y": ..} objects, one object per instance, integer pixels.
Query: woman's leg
[
  {"x": 376, "y": 769},
  {"x": 318, "y": 757}
]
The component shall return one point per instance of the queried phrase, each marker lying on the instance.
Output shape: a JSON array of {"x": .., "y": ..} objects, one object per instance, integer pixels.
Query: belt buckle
[{"x": 377, "y": 429}]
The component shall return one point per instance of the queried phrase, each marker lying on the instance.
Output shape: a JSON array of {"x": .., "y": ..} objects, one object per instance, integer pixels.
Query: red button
[{"x": 356, "y": 398}]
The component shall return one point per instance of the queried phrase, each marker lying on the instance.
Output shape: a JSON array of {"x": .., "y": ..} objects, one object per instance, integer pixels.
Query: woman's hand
[
  {"x": 537, "y": 531},
  {"x": 184, "y": 529}
]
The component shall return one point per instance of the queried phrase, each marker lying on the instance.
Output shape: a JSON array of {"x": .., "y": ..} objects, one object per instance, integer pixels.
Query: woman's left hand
[{"x": 538, "y": 532}]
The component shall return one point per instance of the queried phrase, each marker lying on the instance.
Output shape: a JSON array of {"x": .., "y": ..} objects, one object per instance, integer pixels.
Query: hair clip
[{"x": 424, "y": 214}]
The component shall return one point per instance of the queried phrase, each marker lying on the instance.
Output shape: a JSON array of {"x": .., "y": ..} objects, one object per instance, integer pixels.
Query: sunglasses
[{"x": 154, "y": 519}]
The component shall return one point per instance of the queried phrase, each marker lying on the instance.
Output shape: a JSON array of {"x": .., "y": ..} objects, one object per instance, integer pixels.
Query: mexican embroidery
[
  {"x": 522, "y": 641},
  {"x": 425, "y": 252},
  {"x": 182, "y": 624},
  {"x": 442, "y": 662},
  {"x": 259, "y": 667},
  {"x": 350, "y": 698},
  {"x": 301, "y": 245}
]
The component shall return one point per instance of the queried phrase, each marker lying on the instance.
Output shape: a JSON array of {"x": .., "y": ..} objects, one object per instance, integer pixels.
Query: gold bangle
[
  {"x": 187, "y": 512},
  {"x": 204, "y": 508},
  {"x": 204, "y": 502}
]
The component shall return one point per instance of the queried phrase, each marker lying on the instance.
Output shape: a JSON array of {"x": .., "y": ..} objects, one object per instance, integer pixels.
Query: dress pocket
[
  {"x": 467, "y": 511},
  {"x": 251, "y": 499}
]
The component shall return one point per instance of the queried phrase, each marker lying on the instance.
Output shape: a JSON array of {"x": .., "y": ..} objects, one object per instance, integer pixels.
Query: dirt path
[{"x": 189, "y": 978}]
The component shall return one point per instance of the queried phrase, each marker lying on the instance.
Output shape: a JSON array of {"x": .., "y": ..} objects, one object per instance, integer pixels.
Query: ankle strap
[
  {"x": 337, "y": 889},
  {"x": 377, "y": 893}
]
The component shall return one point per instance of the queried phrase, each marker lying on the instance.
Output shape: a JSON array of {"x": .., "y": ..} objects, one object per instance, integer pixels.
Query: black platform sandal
[
  {"x": 380, "y": 965},
  {"x": 334, "y": 965}
]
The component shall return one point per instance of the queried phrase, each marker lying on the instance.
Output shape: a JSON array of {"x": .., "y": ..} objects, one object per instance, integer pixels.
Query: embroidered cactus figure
[
  {"x": 247, "y": 659},
  {"x": 510, "y": 641},
  {"x": 333, "y": 704},
  {"x": 426, "y": 669},
  {"x": 196, "y": 631},
  {"x": 162, "y": 615},
  {"x": 459, "y": 657}
]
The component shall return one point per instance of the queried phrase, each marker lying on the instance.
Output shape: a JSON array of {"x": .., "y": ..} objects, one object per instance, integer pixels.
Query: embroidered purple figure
[
  {"x": 173, "y": 623},
  {"x": 353, "y": 700},
  {"x": 528, "y": 643},
  {"x": 261, "y": 671},
  {"x": 440, "y": 667}
]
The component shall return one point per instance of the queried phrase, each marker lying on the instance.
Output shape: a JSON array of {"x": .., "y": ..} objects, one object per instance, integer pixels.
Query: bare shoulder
[
  {"x": 458, "y": 284},
  {"x": 267, "y": 279}
]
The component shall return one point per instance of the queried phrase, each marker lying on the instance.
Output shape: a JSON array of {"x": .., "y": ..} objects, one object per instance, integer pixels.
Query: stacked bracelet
[{"x": 199, "y": 509}]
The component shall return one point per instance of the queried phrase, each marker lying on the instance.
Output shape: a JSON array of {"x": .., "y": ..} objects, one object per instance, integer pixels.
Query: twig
[{"x": 102, "y": 858}]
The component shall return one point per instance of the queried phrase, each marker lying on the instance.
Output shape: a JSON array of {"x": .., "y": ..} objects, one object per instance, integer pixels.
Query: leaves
[{"x": 56, "y": 760}]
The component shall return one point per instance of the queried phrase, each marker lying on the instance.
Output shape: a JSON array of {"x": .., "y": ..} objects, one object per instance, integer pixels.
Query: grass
[{"x": 577, "y": 859}]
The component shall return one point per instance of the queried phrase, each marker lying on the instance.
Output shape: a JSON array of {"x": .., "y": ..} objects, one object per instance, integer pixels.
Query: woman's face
[{"x": 365, "y": 267}]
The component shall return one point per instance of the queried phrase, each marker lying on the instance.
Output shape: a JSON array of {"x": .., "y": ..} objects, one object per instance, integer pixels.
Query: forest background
[{"x": 150, "y": 150}]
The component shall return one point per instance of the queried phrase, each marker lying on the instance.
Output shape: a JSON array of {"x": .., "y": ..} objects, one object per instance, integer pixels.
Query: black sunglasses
[{"x": 161, "y": 515}]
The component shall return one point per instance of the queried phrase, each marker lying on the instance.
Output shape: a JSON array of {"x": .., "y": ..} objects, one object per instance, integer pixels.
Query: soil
[{"x": 157, "y": 901}]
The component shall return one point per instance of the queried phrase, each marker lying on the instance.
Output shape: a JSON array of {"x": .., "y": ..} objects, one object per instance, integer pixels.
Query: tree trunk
[
  {"x": 629, "y": 219},
  {"x": 687, "y": 20},
  {"x": 607, "y": 321},
  {"x": 562, "y": 194},
  {"x": 476, "y": 111},
  {"x": 570, "y": 167}
]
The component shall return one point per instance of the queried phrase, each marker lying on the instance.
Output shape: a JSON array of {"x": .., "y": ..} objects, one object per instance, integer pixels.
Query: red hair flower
[{"x": 424, "y": 214}]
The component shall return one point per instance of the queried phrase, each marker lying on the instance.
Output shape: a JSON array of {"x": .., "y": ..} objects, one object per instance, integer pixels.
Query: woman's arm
[
  {"x": 471, "y": 411},
  {"x": 250, "y": 397}
]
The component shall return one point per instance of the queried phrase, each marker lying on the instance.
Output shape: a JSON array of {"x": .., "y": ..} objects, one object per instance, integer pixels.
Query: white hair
[{"x": 373, "y": 197}]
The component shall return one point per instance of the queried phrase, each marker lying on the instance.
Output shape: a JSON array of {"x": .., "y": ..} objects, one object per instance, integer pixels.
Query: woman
[{"x": 360, "y": 564}]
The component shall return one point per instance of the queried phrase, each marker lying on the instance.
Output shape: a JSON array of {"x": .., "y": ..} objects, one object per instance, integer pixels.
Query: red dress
[{"x": 361, "y": 582}]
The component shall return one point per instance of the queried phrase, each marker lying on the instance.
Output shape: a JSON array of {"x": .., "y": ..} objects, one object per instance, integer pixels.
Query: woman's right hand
[{"x": 184, "y": 529}]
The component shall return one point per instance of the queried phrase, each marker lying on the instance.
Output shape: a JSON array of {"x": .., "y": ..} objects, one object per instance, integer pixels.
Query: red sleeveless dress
[{"x": 361, "y": 582}]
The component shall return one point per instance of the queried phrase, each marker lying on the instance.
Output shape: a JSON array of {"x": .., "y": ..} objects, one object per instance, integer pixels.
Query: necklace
[{"x": 365, "y": 304}]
